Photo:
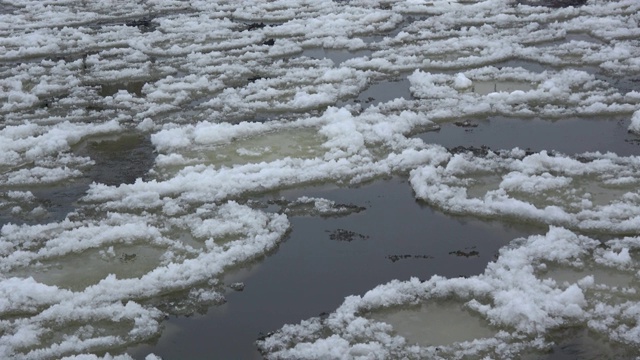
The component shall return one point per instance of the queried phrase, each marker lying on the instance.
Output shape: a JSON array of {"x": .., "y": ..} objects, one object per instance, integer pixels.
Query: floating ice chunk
[
  {"x": 170, "y": 138},
  {"x": 634, "y": 127},
  {"x": 30, "y": 142},
  {"x": 108, "y": 357},
  {"x": 612, "y": 258},
  {"x": 39, "y": 175},
  {"x": 462, "y": 82},
  {"x": 517, "y": 181},
  {"x": 27, "y": 294},
  {"x": 527, "y": 190},
  {"x": 512, "y": 297},
  {"x": 243, "y": 234},
  {"x": 22, "y": 195},
  {"x": 17, "y": 100},
  {"x": 205, "y": 133},
  {"x": 319, "y": 206},
  {"x": 342, "y": 133},
  {"x": 427, "y": 85},
  {"x": 304, "y": 100}
]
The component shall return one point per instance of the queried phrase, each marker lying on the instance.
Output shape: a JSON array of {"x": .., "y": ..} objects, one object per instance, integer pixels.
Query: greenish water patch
[
  {"x": 487, "y": 87},
  {"x": 578, "y": 343},
  {"x": 435, "y": 323},
  {"x": 304, "y": 143},
  {"x": 78, "y": 270},
  {"x": 601, "y": 275}
]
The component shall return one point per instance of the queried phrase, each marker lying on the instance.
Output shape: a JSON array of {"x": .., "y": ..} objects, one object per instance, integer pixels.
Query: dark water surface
[
  {"x": 394, "y": 238},
  {"x": 569, "y": 136}
]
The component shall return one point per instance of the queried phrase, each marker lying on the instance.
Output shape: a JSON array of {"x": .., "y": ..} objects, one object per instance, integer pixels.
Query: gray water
[{"x": 569, "y": 136}]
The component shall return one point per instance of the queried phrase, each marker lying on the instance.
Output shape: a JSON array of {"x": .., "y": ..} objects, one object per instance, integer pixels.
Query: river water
[{"x": 239, "y": 180}]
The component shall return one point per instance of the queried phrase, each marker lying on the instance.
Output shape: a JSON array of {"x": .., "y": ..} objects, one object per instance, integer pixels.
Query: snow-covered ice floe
[
  {"x": 521, "y": 298},
  {"x": 96, "y": 248},
  {"x": 592, "y": 192}
]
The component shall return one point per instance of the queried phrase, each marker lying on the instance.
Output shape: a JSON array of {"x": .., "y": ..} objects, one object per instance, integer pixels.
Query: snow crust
[{"x": 232, "y": 108}]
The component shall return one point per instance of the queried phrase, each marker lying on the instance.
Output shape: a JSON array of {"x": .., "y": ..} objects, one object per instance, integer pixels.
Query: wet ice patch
[
  {"x": 337, "y": 56},
  {"x": 488, "y": 87},
  {"x": 455, "y": 324},
  {"x": 212, "y": 146}
]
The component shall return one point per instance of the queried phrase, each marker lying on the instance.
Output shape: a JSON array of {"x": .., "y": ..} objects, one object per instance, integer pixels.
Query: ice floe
[
  {"x": 537, "y": 187},
  {"x": 506, "y": 312}
]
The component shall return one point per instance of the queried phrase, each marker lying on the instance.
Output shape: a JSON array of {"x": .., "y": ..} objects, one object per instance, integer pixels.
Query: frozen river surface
[{"x": 294, "y": 179}]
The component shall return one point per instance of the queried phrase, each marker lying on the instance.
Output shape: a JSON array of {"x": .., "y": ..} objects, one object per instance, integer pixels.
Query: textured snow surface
[{"x": 134, "y": 134}]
